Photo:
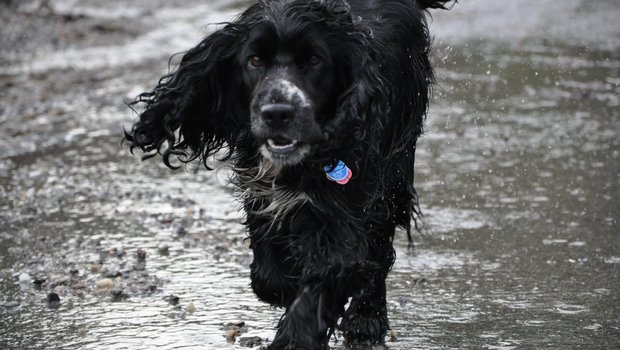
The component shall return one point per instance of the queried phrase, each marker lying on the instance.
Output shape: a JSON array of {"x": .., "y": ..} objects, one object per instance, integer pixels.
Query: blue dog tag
[{"x": 340, "y": 174}]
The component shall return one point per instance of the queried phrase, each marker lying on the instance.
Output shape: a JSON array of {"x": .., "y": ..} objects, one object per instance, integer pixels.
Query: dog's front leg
[
  {"x": 308, "y": 320},
  {"x": 332, "y": 264},
  {"x": 312, "y": 316}
]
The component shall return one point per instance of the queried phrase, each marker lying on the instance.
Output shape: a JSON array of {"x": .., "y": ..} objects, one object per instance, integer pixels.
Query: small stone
[
  {"x": 177, "y": 203},
  {"x": 420, "y": 281},
  {"x": 24, "y": 278},
  {"x": 53, "y": 301},
  {"x": 393, "y": 335},
  {"x": 231, "y": 335},
  {"x": 140, "y": 264},
  {"x": 173, "y": 300},
  {"x": 233, "y": 329},
  {"x": 141, "y": 254},
  {"x": 250, "y": 342},
  {"x": 105, "y": 283},
  {"x": 110, "y": 271},
  {"x": 11, "y": 304},
  {"x": 95, "y": 268},
  {"x": 163, "y": 250},
  {"x": 78, "y": 285},
  {"x": 165, "y": 219},
  {"x": 75, "y": 273},
  {"x": 181, "y": 231},
  {"x": 119, "y": 295},
  {"x": 38, "y": 283},
  {"x": 190, "y": 308}
]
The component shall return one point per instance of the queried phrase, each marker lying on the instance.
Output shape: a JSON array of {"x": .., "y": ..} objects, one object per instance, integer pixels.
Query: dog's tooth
[{"x": 273, "y": 144}]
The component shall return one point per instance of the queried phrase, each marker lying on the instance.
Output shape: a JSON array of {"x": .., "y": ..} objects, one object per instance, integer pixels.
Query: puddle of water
[{"x": 518, "y": 177}]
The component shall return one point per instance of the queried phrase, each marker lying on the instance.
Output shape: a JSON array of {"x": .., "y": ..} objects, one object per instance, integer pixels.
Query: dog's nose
[{"x": 277, "y": 115}]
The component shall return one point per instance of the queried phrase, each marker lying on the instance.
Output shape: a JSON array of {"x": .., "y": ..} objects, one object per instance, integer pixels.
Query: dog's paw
[{"x": 364, "y": 332}]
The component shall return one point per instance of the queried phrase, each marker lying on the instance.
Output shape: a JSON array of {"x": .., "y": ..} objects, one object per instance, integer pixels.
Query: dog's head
[
  {"x": 287, "y": 80},
  {"x": 290, "y": 63}
]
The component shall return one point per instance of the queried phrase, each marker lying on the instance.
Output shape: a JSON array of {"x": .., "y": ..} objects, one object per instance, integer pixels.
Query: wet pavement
[{"x": 518, "y": 174}]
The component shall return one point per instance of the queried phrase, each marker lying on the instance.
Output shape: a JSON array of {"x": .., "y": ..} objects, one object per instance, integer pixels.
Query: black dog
[{"x": 318, "y": 106}]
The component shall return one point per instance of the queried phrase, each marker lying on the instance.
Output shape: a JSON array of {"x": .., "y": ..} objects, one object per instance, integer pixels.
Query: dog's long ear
[
  {"x": 377, "y": 90},
  {"x": 191, "y": 112},
  {"x": 366, "y": 98}
]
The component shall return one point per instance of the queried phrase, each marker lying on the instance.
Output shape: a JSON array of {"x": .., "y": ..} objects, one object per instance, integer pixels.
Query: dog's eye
[
  {"x": 314, "y": 60},
  {"x": 256, "y": 61}
]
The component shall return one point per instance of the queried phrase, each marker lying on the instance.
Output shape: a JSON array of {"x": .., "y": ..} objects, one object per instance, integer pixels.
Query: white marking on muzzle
[{"x": 291, "y": 91}]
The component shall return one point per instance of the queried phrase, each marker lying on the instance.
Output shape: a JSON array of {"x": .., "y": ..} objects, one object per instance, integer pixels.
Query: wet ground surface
[{"x": 519, "y": 176}]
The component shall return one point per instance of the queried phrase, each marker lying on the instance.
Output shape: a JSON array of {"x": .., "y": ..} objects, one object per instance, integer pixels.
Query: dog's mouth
[
  {"x": 282, "y": 145},
  {"x": 283, "y": 151}
]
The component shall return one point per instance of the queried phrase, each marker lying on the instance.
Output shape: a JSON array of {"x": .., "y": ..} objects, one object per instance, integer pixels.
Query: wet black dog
[{"x": 317, "y": 106}]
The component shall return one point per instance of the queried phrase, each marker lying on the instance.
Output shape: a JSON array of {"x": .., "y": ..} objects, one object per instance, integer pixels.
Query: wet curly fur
[{"x": 284, "y": 90}]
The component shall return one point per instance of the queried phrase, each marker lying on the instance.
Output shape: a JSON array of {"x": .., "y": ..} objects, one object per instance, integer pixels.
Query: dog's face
[{"x": 289, "y": 76}]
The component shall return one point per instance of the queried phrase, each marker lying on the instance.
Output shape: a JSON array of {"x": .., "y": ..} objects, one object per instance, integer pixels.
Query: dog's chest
[{"x": 265, "y": 197}]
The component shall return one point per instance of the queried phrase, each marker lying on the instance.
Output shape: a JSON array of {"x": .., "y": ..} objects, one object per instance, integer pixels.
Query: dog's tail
[{"x": 434, "y": 4}]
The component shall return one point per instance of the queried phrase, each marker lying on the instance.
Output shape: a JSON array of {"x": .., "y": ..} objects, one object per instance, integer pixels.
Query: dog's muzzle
[{"x": 283, "y": 122}]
